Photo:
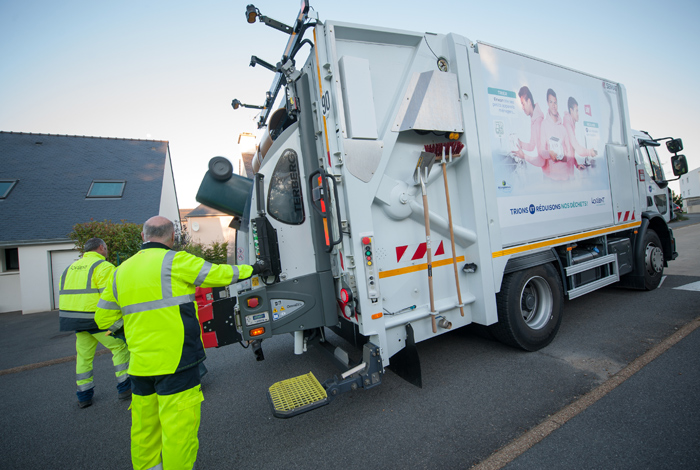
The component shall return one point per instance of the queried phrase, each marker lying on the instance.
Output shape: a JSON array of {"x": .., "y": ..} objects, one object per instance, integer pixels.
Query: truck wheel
[
  {"x": 653, "y": 260},
  {"x": 529, "y": 308}
]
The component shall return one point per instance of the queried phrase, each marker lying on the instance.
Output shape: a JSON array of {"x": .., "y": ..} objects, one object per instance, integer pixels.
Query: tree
[
  {"x": 216, "y": 253},
  {"x": 677, "y": 198},
  {"x": 123, "y": 239}
]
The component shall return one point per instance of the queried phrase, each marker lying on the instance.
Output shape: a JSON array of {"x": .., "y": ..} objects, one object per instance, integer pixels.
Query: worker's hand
[
  {"x": 260, "y": 266},
  {"x": 553, "y": 155},
  {"x": 107, "y": 333}
]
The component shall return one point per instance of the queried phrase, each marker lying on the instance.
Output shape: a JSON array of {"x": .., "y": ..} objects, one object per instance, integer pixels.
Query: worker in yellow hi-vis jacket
[
  {"x": 80, "y": 288},
  {"x": 153, "y": 291}
]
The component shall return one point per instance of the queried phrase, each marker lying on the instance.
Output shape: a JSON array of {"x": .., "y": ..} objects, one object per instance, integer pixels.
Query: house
[
  {"x": 49, "y": 183},
  {"x": 690, "y": 191},
  {"x": 206, "y": 225}
]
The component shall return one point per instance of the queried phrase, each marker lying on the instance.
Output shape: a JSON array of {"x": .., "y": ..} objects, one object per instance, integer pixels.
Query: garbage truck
[{"x": 409, "y": 184}]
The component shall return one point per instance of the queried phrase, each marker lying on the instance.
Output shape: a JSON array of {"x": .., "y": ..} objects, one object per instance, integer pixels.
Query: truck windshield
[
  {"x": 652, "y": 165},
  {"x": 284, "y": 201}
]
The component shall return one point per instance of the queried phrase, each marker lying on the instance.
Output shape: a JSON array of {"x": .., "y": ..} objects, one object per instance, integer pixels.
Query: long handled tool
[
  {"x": 420, "y": 175},
  {"x": 454, "y": 149}
]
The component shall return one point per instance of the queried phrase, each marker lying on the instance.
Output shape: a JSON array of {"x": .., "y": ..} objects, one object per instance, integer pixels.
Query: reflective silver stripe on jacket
[
  {"x": 166, "y": 287},
  {"x": 202, "y": 274},
  {"x": 80, "y": 315},
  {"x": 88, "y": 285},
  {"x": 87, "y": 386},
  {"x": 121, "y": 367},
  {"x": 156, "y": 304},
  {"x": 107, "y": 305},
  {"x": 157, "y": 467},
  {"x": 114, "y": 285},
  {"x": 122, "y": 378},
  {"x": 166, "y": 270}
]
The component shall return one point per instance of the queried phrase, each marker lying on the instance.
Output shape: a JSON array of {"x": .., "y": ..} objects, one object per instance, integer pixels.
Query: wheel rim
[
  {"x": 654, "y": 259},
  {"x": 536, "y": 302}
]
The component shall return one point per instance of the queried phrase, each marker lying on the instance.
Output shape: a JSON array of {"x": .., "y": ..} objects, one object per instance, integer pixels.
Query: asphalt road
[{"x": 477, "y": 397}]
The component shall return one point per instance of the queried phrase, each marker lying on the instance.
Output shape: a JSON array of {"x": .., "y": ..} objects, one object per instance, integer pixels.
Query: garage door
[{"x": 60, "y": 260}]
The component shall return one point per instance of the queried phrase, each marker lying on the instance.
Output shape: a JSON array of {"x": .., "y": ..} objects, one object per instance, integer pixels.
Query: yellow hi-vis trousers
[
  {"x": 167, "y": 426},
  {"x": 85, "y": 344}
]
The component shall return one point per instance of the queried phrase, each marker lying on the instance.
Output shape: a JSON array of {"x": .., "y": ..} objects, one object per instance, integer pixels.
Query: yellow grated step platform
[{"x": 296, "y": 395}]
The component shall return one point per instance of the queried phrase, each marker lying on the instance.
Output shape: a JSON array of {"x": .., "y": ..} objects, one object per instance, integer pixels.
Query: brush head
[{"x": 437, "y": 149}]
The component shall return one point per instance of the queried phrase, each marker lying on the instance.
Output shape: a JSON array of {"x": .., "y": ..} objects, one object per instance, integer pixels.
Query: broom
[{"x": 453, "y": 149}]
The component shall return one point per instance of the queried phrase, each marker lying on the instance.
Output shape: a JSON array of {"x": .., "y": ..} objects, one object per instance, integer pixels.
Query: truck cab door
[{"x": 653, "y": 190}]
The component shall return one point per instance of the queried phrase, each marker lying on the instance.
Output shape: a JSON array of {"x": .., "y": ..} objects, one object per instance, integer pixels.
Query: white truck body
[{"x": 362, "y": 107}]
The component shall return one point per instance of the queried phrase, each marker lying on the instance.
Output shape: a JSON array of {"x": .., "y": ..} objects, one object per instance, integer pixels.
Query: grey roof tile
[{"x": 55, "y": 173}]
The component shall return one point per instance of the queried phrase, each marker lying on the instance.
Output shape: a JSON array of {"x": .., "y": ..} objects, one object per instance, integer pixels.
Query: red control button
[
  {"x": 366, "y": 240},
  {"x": 253, "y": 302}
]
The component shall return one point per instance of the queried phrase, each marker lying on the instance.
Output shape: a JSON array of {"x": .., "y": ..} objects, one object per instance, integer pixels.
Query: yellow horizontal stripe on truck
[
  {"x": 416, "y": 268},
  {"x": 559, "y": 241}
]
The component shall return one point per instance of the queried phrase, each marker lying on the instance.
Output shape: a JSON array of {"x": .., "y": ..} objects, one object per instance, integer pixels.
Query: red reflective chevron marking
[
  {"x": 440, "y": 250},
  {"x": 400, "y": 250},
  {"x": 626, "y": 218},
  {"x": 420, "y": 251}
]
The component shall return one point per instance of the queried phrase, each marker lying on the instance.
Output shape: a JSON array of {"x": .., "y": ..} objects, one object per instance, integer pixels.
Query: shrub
[{"x": 123, "y": 239}]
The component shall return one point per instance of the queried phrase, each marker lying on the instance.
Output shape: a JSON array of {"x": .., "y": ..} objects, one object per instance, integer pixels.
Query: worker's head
[
  {"x": 159, "y": 229},
  {"x": 97, "y": 245},
  {"x": 573, "y": 108},
  {"x": 526, "y": 100},
  {"x": 552, "y": 102}
]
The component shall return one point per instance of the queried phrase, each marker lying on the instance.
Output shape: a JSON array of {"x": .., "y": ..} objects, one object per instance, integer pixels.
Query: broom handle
[
  {"x": 426, "y": 215},
  {"x": 452, "y": 235}
]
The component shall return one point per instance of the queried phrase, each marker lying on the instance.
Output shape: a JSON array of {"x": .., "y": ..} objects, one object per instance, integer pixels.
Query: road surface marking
[
  {"x": 694, "y": 286},
  {"x": 519, "y": 446}
]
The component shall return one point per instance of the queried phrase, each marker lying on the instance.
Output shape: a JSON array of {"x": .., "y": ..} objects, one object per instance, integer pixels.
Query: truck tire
[
  {"x": 653, "y": 260},
  {"x": 529, "y": 308}
]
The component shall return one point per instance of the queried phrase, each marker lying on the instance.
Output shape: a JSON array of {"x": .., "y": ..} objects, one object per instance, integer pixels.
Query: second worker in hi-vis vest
[
  {"x": 81, "y": 285},
  {"x": 154, "y": 293}
]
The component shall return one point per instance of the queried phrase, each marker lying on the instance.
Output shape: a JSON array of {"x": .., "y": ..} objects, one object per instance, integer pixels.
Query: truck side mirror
[
  {"x": 679, "y": 163},
  {"x": 674, "y": 145}
]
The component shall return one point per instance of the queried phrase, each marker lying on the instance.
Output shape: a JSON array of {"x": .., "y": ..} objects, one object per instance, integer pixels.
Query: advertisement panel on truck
[{"x": 548, "y": 128}]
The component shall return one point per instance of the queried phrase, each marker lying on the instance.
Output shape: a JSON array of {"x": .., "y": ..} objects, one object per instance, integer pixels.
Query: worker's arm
[
  {"x": 108, "y": 310},
  {"x": 201, "y": 273}
]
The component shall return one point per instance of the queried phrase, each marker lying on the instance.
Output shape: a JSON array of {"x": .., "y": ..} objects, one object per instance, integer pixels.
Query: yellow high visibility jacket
[
  {"x": 81, "y": 285},
  {"x": 153, "y": 291}
]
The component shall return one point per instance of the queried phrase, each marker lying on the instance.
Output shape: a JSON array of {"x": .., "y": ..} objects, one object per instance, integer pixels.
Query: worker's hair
[
  {"x": 551, "y": 92},
  {"x": 160, "y": 232},
  {"x": 572, "y": 103},
  {"x": 93, "y": 244},
  {"x": 525, "y": 91}
]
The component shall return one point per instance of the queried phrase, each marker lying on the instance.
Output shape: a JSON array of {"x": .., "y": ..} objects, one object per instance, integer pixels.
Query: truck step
[{"x": 296, "y": 395}]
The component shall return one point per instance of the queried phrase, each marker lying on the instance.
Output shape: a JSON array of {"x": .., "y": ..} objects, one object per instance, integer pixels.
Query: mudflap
[{"x": 406, "y": 363}]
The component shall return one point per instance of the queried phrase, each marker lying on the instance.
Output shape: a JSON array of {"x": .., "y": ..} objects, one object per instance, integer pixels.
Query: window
[
  {"x": 11, "y": 259},
  {"x": 652, "y": 164},
  {"x": 284, "y": 198},
  {"x": 6, "y": 186},
  {"x": 106, "y": 188}
]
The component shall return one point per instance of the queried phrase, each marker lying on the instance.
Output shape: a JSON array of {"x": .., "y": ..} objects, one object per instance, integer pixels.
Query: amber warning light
[{"x": 257, "y": 331}]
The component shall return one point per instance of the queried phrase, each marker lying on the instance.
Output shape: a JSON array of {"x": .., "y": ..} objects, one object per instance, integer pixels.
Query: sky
[{"x": 168, "y": 69}]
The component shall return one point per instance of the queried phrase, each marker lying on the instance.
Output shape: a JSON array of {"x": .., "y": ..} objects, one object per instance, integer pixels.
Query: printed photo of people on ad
[{"x": 548, "y": 138}]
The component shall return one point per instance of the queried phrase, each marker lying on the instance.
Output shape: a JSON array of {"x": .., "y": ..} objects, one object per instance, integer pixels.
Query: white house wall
[
  {"x": 10, "y": 298},
  {"x": 212, "y": 229},
  {"x": 35, "y": 276},
  {"x": 168, "y": 196}
]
